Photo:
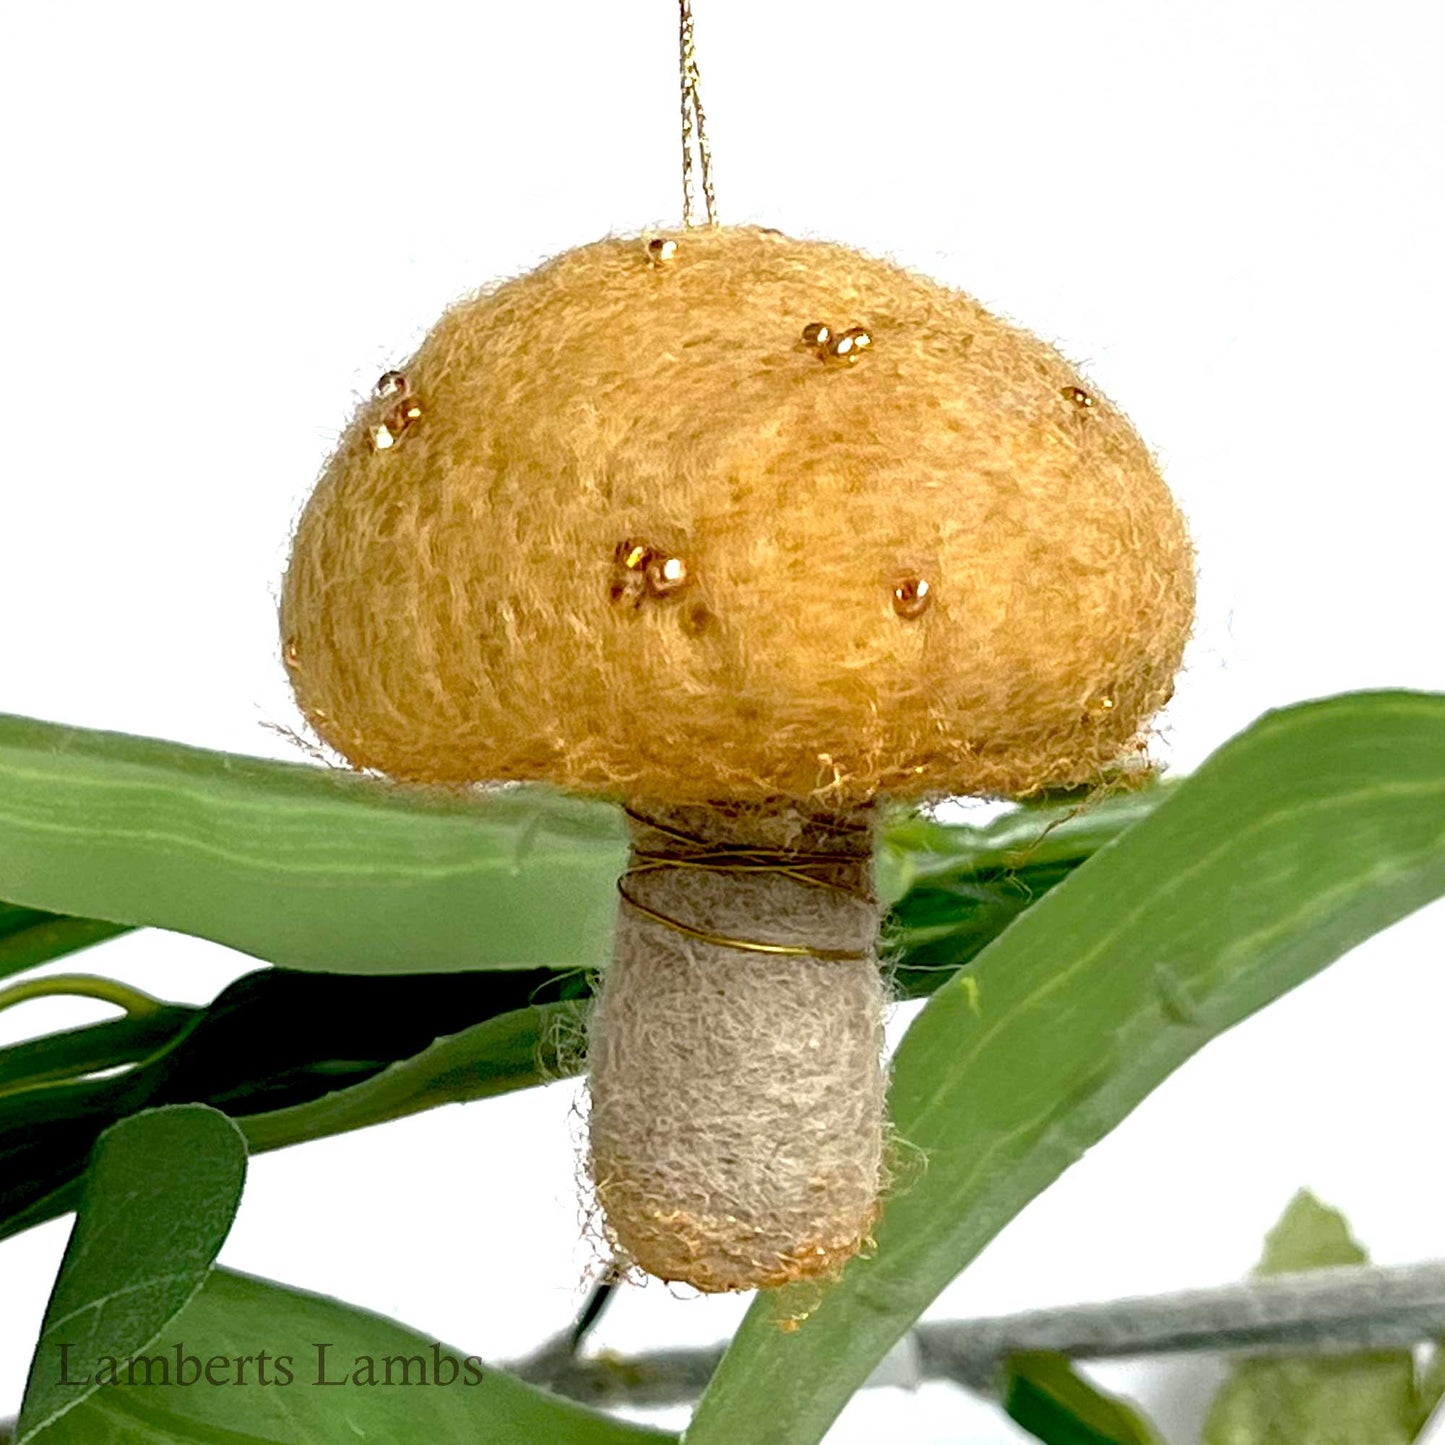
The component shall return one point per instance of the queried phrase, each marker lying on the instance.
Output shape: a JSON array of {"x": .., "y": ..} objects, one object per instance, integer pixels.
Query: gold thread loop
[{"x": 694, "y": 122}]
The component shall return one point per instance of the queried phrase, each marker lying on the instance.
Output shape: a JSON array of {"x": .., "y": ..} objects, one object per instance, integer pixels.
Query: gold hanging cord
[{"x": 694, "y": 123}]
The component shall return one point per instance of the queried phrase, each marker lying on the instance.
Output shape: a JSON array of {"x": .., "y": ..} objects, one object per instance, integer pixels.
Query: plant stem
[
  {"x": 1328, "y": 1311},
  {"x": 1324, "y": 1311},
  {"x": 592, "y": 1311},
  {"x": 82, "y": 985}
]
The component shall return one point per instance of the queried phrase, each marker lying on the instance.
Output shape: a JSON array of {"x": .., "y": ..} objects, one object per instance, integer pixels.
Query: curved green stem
[
  {"x": 57, "y": 1060},
  {"x": 82, "y": 985}
]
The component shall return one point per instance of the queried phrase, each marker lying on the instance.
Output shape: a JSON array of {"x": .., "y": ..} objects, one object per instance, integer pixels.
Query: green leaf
[
  {"x": 512, "y": 1051},
  {"x": 1353, "y": 1400},
  {"x": 1315, "y": 828},
  {"x": 29, "y": 937},
  {"x": 1029, "y": 835},
  {"x": 1310, "y": 1235},
  {"x": 235, "y": 1316},
  {"x": 293, "y": 1044},
  {"x": 292, "y": 1052},
  {"x": 956, "y": 887},
  {"x": 1336, "y": 1400},
  {"x": 277, "y": 1041},
  {"x": 157, "y": 1204},
  {"x": 76, "y": 1052},
  {"x": 1052, "y": 1401},
  {"x": 325, "y": 869},
  {"x": 1432, "y": 1385},
  {"x": 312, "y": 867}
]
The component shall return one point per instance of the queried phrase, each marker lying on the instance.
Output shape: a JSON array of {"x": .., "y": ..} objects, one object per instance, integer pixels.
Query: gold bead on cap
[
  {"x": 912, "y": 597},
  {"x": 662, "y": 250},
  {"x": 830, "y": 345},
  {"x": 1101, "y": 704},
  {"x": 666, "y": 575},
  {"x": 387, "y": 432},
  {"x": 405, "y": 409},
  {"x": 642, "y": 571},
  {"x": 291, "y": 654},
  {"x": 850, "y": 345},
  {"x": 1078, "y": 396}
]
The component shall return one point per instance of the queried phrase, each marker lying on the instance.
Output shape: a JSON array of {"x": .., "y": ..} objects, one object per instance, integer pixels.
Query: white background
[{"x": 221, "y": 222}]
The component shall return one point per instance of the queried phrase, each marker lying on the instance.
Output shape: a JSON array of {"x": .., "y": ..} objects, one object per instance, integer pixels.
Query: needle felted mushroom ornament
[{"x": 749, "y": 533}]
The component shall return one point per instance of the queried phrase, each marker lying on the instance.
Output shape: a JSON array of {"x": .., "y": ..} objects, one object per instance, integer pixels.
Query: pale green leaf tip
[{"x": 1309, "y": 1235}]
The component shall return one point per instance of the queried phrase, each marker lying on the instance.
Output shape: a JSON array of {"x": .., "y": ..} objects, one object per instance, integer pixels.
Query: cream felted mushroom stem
[
  {"x": 735, "y": 1065},
  {"x": 748, "y": 532}
]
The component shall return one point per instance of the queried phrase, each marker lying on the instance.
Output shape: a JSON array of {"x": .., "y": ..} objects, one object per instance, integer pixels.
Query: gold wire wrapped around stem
[{"x": 720, "y": 859}]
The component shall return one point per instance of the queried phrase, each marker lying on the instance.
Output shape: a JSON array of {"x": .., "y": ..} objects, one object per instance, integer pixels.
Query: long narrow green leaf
[
  {"x": 1315, "y": 828},
  {"x": 322, "y": 869},
  {"x": 307, "y": 1050},
  {"x": 74, "y": 1053},
  {"x": 159, "y": 1198},
  {"x": 925, "y": 852},
  {"x": 955, "y": 887},
  {"x": 29, "y": 936},
  {"x": 313, "y": 867},
  {"x": 512, "y": 1051},
  {"x": 274, "y": 1043},
  {"x": 332, "y": 1373}
]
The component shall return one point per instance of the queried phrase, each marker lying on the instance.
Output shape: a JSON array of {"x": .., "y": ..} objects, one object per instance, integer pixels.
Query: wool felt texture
[
  {"x": 453, "y": 610},
  {"x": 736, "y": 1120},
  {"x": 637, "y": 531}
]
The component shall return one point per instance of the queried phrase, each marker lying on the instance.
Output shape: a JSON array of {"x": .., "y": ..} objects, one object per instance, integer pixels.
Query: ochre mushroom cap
[{"x": 457, "y": 608}]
